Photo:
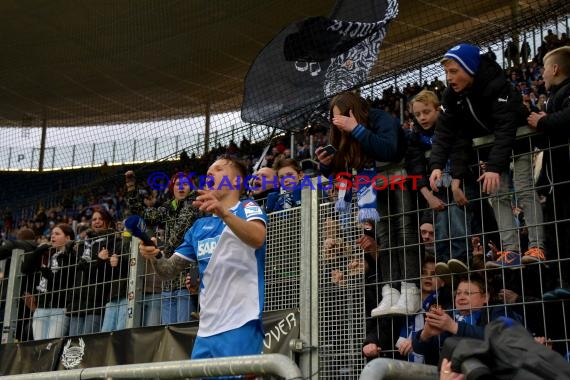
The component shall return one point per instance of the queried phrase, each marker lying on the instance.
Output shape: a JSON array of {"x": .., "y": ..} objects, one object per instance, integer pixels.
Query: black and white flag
[{"x": 310, "y": 61}]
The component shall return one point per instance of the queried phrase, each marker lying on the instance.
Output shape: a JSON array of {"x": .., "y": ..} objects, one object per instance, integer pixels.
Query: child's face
[
  {"x": 288, "y": 177},
  {"x": 549, "y": 73},
  {"x": 264, "y": 180},
  {"x": 457, "y": 78},
  {"x": 429, "y": 281},
  {"x": 426, "y": 114}
]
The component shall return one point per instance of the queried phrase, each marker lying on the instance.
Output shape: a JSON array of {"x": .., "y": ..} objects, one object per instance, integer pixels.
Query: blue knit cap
[{"x": 467, "y": 56}]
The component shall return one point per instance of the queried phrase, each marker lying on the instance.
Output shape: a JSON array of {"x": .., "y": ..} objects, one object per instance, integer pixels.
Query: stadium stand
[{"x": 95, "y": 90}]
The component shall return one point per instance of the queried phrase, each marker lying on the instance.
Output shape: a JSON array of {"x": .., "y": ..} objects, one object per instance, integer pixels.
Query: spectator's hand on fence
[
  {"x": 103, "y": 254},
  {"x": 534, "y": 118},
  {"x": 149, "y": 252},
  {"x": 491, "y": 181},
  {"x": 435, "y": 203},
  {"x": 458, "y": 194},
  {"x": 405, "y": 347},
  {"x": 357, "y": 266},
  {"x": 371, "y": 350},
  {"x": 345, "y": 123},
  {"x": 114, "y": 260},
  {"x": 337, "y": 277},
  {"x": 367, "y": 243},
  {"x": 329, "y": 243},
  {"x": 435, "y": 179}
]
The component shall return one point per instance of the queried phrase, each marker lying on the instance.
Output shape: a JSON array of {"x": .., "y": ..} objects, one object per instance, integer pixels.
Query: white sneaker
[
  {"x": 389, "y": 297},
  {"x": 409, "y": 301}
]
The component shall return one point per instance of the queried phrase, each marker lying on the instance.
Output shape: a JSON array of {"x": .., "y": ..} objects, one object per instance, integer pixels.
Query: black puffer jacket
[{"x": 490, "y": 106}]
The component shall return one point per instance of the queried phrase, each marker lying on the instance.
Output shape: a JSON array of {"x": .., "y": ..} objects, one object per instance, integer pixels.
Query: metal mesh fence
[
  {"x": 142, "y": 102},
  {"x": 282, "y": 262},
  {"x": 349, "y": 283},
  {"x": 341, "y": 294}
]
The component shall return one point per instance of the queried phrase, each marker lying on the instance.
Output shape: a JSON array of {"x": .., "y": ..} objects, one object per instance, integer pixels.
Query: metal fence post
[
  {"x": 11, "y": 309},
  {"x": 135, "y": 286},
  {"x": 309, "y": 281}
]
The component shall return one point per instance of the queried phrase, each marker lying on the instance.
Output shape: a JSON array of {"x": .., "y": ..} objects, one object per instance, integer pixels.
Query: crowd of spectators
[{"x": 475, "y": 293}]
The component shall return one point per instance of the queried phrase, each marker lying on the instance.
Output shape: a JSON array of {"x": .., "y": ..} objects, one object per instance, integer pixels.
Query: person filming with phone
[{"x": 368, "y": 141}]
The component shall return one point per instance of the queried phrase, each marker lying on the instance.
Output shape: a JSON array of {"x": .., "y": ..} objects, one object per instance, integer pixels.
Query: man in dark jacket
[
  {"x": 25, "y": 240},
  {"x": 480, "y": 101},
  {"x": 555, "y": 123}
]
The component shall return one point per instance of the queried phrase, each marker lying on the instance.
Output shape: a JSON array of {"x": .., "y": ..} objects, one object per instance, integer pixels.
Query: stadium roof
[{"x": 106, "y": 61}]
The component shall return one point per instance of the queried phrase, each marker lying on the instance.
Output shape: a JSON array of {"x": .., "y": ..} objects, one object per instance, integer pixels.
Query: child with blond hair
[{"x": 452, "y": 213}]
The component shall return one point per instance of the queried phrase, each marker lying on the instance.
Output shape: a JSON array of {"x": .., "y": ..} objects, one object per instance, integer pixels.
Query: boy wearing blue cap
[{"x": 480, "y": 101}]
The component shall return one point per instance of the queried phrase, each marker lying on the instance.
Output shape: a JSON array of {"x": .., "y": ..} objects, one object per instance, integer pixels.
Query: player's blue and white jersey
[{"x": 231, "y": 272}]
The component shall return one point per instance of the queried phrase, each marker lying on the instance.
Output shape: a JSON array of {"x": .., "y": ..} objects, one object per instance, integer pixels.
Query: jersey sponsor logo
[
  {"x": 206, "y": 247},
  {"x": 251, "y": 208}
]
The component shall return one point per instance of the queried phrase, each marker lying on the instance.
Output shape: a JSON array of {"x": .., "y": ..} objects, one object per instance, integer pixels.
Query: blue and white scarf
[{"x": 365, "y": 195}]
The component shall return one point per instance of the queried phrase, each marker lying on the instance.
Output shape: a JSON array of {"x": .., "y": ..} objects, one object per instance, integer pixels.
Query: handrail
[
  {"x": 390, "y": 369},
  {"x": 269, "y": 364}
]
